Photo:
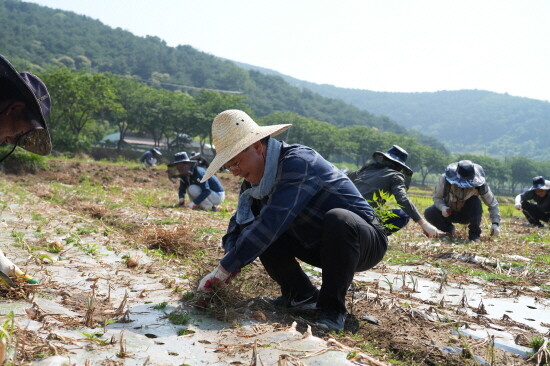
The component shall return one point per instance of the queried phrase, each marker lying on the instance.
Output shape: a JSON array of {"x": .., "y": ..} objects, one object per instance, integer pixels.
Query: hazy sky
[{"x": 384, "y": 45}]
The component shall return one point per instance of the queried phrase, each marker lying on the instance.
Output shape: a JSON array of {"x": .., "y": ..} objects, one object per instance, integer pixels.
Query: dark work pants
[
  {"x": 470, "y": 214},
  {"x": 399, "y": 221},
  {"x": 349, "y": 244},
  {"x": 534, "y": 213}
]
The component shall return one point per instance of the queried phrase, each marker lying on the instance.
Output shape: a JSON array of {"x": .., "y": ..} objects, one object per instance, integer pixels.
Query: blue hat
[
  {"x": 465, "y": 174},
  {"x": 36, "y": 97},
  {"x": 540, "y": 183},
  {"x": 398, "y": 155}
]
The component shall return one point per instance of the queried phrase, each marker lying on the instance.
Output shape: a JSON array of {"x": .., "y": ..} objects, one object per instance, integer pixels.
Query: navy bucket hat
[
  {"x": 37, "y": 99},
  {"x": 396, "y": 154},
  {"x": 181, "y": 157},
  {"x": 540, "y": 183},
  {"x": 465, "y": 174}
]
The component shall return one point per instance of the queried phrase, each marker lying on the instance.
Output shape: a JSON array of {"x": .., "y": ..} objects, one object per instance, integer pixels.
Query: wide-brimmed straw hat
[
  {"x": 232, "y": 132},
  {"x": 37, "y": 99},
  {"x": 540, "y": 183},
  {"x": 465, "y": 174},
  {"x": 396, "y": 154}
]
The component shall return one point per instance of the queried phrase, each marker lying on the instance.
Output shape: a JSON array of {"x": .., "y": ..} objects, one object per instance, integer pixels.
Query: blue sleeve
[{"x": 182, "y": 189}]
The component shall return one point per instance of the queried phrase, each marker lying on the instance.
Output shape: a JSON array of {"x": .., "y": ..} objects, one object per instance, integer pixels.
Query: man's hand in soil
[{"x": 217, "y": 278}]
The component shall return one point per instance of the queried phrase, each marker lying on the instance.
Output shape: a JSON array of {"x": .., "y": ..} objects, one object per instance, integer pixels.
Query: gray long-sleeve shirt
[{"x": 455, "y": 197}]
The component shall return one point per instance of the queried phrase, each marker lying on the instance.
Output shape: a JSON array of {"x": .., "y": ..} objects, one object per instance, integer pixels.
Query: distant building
[{"x": 135, "y": 142}]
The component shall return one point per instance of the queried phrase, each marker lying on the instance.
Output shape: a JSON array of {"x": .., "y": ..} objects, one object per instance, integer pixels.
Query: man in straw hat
[
  {"x": 24, "y": 105},
  {"x": 389, "y": 173},
  {"x": 456, "y": 200},
  {"x": 202, "y": 195},
  {"x": 540, "y": 209},
  {"x": 293, "y": 205}
]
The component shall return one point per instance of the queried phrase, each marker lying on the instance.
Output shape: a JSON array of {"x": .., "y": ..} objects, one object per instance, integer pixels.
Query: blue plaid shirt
[{"x": 306, "y": 187}]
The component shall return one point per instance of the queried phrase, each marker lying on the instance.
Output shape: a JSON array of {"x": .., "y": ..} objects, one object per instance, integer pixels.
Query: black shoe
[
  {"x": 308, "y": 302},
  {"x": 332, "y": 320}
]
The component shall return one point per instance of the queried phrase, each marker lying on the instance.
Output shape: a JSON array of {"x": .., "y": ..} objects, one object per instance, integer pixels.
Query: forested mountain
[
  {"x": 37, "y": 37},
  {"x": 467, "y": 121}
]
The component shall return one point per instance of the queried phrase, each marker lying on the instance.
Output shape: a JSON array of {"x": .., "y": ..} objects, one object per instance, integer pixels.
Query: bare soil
[{"x": 139, "y": 206}]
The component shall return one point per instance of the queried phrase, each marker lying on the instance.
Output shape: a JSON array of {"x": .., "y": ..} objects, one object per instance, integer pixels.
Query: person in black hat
[
  {"x": 540, "y": 210},
  {"x": 201, "y": 161},
  {"x": 150, "y": 157},
  {"x": 457, "y": 200},
  {"x": 389, "y": 173},
  {"x": 206, "y": 195},
  {"x": 24, "y": 106}
]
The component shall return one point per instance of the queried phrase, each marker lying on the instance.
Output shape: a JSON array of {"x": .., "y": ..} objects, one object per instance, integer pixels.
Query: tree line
[{"x": 87, "y": 106}]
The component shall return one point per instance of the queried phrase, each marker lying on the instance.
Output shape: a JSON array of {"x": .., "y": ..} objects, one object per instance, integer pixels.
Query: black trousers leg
[
  {"x": 533, "y": 213},
  {"x": 279, "y": 260},
  {"x": 434, "y": 216},
  {"x": 470, "y": 214},
  {"x": 349, "y": 245}
]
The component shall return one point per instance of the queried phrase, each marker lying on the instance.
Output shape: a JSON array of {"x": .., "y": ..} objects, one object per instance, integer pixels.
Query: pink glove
[
  {"x": 446, "y": 212},
  {"x": 192, "y": 206},
  {"x": 218, "y": 277}
]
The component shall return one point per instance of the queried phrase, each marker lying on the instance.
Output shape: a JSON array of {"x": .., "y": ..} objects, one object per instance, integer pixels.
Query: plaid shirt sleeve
[{"x": 296, "y": 184}]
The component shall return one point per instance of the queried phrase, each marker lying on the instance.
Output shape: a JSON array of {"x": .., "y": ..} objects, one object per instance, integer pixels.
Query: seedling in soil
[
  {"x": 183, "y": 332},
  {"x": 95, "y": 337},
  {"x": 179, "y": 318},
  {"x": 389, "y": 283},
  {"x": 161, "y": 306}
]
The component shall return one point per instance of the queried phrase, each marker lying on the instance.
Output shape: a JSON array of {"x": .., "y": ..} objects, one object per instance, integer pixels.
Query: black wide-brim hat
[
  {"x": 181, "y": 158},
  {"x": 396, "y": 154},
  {"x": 37, "y": 99},
  {"x": 540, "y": 183},
  {"x": 465, "y": 174}
]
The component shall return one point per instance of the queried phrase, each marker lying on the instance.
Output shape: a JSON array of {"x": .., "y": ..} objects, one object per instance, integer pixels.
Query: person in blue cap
[
  {"x": 389, "y": 173},
  {"x": 457, "y": 200},
  {"x": 206, "y": 195},
  {"x": 24, "y": 106},
  {"x": 540, "y": 209}
]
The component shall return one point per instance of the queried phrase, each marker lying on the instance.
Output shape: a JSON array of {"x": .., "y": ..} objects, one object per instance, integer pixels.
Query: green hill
[
  {"x": 467, "y": 121},
  {"x": 37, "y": 37}
]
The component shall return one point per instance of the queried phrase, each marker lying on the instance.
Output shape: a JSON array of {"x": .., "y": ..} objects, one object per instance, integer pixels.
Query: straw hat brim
[{"x": 229, "y": 153}]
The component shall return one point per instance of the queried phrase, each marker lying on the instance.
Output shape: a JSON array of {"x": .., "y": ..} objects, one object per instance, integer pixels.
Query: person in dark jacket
[
  {"x": 24, "y": 106},
  {"x": 389, "y": 173},
  {"x": 201, "y": 161},
  {"x": 457, "y": 200},
  {"x": 293, "y": 205},
  {"x": 540, "y": 209},
  {"x": 206, "y": 195},
  {"x": 150, "y": 157}
]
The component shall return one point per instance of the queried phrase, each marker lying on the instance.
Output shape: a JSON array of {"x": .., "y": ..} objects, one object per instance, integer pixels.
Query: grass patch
[{"x": 395, "y": 257}]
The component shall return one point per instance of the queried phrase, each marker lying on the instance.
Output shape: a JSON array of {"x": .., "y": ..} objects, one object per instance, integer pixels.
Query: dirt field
[{"x": 430, "y": 302}]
